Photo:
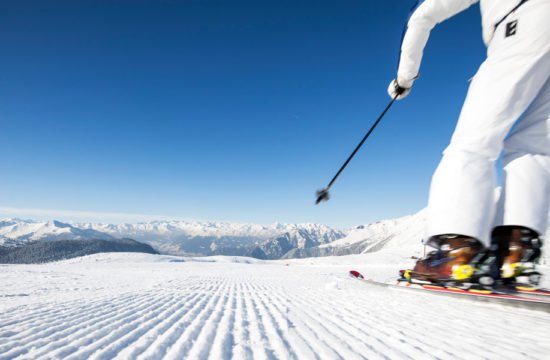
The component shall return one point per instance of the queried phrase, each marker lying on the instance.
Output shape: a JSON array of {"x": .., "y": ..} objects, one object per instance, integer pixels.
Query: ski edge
[{"x": 501, "y": 299}]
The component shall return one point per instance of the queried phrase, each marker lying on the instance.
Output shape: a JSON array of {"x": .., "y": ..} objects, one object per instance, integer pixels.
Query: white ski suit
[{"x": 507, "y": 109}]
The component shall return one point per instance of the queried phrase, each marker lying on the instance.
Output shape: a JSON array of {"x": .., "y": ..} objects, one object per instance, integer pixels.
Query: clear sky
[{"x": 222, "y": 110}]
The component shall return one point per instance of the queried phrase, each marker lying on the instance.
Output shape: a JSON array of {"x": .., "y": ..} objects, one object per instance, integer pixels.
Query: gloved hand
[{"x": 399, "y": 89}]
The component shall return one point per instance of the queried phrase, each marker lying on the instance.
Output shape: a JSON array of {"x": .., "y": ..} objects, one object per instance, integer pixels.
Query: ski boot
[
  {"x": 509, "y": 263},
  {"x": 450, "y": 263},
  {"x": 518, "y": 249}
]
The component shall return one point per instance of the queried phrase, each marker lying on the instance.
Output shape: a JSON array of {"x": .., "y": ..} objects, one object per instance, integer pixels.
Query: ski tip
[{"x": 356, "y": 274}]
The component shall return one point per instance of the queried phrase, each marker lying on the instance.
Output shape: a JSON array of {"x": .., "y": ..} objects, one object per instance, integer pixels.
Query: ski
[
  {"x": 517, "y": 288},
  {"x": 533, "y": 292},
  {"x": 513, "y": 300}
]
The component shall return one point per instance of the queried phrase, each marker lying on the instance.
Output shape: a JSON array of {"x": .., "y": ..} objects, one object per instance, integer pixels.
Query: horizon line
[{"x": 102, "y": 216}]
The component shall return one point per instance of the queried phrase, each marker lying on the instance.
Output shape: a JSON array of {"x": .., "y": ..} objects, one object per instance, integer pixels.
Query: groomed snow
[{"x": 136, "y": 306}]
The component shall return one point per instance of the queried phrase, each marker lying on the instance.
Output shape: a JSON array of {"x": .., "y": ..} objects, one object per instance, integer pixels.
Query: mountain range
[
  {"x": 179, "y": 237},
  {"x": 16, "y": 232},
  {"x": 396, "y": 237},
  {"x": 46, "y": 251}
]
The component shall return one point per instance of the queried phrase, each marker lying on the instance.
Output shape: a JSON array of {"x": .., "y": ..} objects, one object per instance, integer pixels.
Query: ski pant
[{"x": 507, "y": 110}]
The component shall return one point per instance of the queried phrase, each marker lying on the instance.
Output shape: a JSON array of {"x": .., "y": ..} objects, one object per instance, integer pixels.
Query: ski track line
[
  {"x": 177, "y": 327},
  {"x": 341, "y": 349},
  {"x": 96, "y": 331},
  {"x": 397, "y": 334},
  {"x": 442, "y": 330},
  {"x": 140, "y": 345},
  {"x": 136, "y": 328},
  {"x": 76, "y": 307},
  {"x": 353, "y": 348},
  {"x": 130, "y": 332},
  {"x": 257, "y": 342},
  {"x": 336, "y": 329},
  {"x": 277, "y": 330},
  {"x": 171, "y": 329},
  {"x": 230, "y": 313},
  {"x": 206, "y": 332},
  {"x": 63, "y": 346},
  {"x": 367, "y": 349},
  {"x": 319, "y": 318},
  {"x": 137, "y": 322},
  {"x": 82, "y": 324},
  {"x": 242, "y": 336},
  {"x": 393, "y": 339},
  {"x": 371, "y": 339},
  {"x": 189, "y": 330},
  {"x": 73, "y": 307},
  {"x": 459, "y": 324},
  {"x": 224, "y": 339},
  {"x": 302, "y": 330},
  {"x": 60, "y": 326},
  {"x": 272, "y": 337},
  {"x": 299, "y": 348},
  {"x": 322, "y": 349}
]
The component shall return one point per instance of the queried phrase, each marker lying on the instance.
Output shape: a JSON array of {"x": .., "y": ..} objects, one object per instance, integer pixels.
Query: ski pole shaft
[
  {"x": 361, "y": 143},
  {"x": 323, "y": 194}
]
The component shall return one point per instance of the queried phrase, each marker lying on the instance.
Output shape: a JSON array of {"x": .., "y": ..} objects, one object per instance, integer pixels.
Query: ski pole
[{"x": 323, "y": 195}]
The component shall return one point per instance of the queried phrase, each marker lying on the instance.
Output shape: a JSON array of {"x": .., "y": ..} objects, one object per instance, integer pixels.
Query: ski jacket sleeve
[{"x": 425, "y": 15}]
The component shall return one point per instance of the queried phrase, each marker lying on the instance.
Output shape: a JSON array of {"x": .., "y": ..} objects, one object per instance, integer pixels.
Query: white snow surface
[
  {"x": 402, "y": 237},
  {"x": 139, "y": 306},
  {"x": 16, "y": 232}
]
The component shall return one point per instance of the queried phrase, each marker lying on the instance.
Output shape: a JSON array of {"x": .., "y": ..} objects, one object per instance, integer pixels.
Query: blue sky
[{"x": 221, "y": 110}]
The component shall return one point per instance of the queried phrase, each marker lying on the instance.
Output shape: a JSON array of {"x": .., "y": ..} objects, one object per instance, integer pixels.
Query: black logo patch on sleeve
[{"x": 511, "y": 28}]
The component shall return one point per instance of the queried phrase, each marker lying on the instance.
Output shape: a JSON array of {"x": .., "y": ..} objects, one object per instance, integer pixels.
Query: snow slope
[
  {"x": 400, "y": 238},
  {"x": 15, "y": 232},
  {"x": 137, "y": 306}
]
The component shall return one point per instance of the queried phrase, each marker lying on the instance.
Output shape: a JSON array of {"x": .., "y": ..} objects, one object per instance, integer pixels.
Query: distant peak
[{"x": 60, "y": 224}]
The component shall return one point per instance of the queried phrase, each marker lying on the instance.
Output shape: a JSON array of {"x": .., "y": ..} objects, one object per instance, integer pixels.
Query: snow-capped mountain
[
  {"x": 399, "y": 238},
  {"x": 174, "y": 237},
  {"x": 170, "y": 229},
  {"x": 402, "y": 235},
  {"x": 47, "y": 251},
  {"x": 15, "y": 232},
  {"x": 218, "y": 238},
  {"x": 298, "y": 237}
]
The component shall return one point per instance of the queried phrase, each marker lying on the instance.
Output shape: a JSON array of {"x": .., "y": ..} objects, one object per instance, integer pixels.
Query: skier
[{"x": 507, "y": 109}]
